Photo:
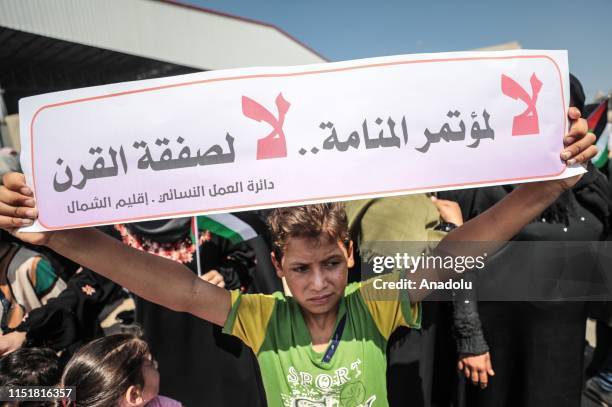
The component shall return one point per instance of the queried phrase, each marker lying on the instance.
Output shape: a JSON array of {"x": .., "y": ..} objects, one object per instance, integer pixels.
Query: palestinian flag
[
  {"x": 228, "y": 226},
  {"x": 603, "y": 147},
  {"x": 597, "y": 121},
  {"x": 225, "y": 225}
]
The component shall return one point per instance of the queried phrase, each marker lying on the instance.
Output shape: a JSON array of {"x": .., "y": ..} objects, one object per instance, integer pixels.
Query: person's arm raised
[
  {"x": 505, "y": 219},
  {"x": 154, "y": 278}
]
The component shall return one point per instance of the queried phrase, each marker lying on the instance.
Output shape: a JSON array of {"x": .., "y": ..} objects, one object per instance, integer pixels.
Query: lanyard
[{"x": 331, "y": 349}]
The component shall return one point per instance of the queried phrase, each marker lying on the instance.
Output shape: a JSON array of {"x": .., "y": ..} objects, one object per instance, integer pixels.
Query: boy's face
[{"x": 316, "y": 271}]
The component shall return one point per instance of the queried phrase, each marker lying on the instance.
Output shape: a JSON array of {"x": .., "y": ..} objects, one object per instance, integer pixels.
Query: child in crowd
[
  {"x": 115, "y": 371},
  {"x": 30, "y": 367},
  {"x": 326, "y": 345}
]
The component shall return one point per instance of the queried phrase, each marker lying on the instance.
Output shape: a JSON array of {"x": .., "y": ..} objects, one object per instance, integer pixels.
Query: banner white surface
[{"x": 265, "y": 137}]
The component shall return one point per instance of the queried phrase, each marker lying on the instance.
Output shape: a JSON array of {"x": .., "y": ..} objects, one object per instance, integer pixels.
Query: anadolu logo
[{"x": 527, "y": 122}]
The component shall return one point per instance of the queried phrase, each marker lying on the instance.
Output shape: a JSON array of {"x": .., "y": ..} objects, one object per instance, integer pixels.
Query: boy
[{"x": 325, "y": 346}]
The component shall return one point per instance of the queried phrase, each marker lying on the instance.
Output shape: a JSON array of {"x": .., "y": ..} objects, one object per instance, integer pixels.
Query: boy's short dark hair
[
  {"x": 30, "y": 367},
  {"x": 309, "y": 221}
]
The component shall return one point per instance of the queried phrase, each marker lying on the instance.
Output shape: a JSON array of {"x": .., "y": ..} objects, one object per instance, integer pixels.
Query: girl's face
[
  {"x": 151, "y": 380},
  {"x": 137, "y": 397}
]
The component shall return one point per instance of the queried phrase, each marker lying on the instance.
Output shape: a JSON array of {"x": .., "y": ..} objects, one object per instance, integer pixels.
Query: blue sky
[{"x": 349, "y": 29}]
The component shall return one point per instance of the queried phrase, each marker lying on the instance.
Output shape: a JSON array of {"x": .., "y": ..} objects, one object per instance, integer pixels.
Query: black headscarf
[{"x": 162, "y": 231}]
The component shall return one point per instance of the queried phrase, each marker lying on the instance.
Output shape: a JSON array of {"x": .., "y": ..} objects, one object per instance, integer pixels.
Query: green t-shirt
[{"x": 294, "y": 375}]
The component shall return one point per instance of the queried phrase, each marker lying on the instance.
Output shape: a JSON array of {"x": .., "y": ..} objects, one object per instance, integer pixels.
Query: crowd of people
[{"x": 282, "y": 311}]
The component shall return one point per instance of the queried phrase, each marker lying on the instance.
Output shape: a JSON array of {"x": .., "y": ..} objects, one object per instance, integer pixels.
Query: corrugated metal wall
[{"x": 157, "y": 30}]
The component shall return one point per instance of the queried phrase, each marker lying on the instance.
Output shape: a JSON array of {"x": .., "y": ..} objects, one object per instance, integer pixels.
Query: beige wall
[{"x": 158, "y": 30}]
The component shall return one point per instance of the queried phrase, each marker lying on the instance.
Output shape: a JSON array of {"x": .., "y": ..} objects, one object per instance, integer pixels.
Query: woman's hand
[
  {"x": 476, "y": 368},
  {"x": 18, "y": 208},
  {"x": 214, "y": 277},
  {"x": 11, "y": 342},
  {"x": 450, "y": 211}
]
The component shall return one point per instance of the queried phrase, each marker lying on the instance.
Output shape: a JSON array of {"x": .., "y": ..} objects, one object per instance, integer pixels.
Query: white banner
[{"x": 265, "y": 137}]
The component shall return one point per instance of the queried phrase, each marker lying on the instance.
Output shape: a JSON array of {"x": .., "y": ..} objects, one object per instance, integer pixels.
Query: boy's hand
[
  {"x": 579, "y": 147},
  {"x": 18, "y": 208},
  {"x": 476, "y": 368}
]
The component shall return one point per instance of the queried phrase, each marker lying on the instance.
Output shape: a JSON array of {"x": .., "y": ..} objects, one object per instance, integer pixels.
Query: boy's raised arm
[
  {"x": 154, "y": 278},
  {"x": 504, "y": 220},
  {"x": 157, "y": 279}
]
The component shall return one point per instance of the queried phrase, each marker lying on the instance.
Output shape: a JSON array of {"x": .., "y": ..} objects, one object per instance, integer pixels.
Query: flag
[
  {"x": 603, "y": 145},
  {"x": 228, "y": 226},
  {"x": 597, "y": 121},
  {"x": 225, "y": 225}
]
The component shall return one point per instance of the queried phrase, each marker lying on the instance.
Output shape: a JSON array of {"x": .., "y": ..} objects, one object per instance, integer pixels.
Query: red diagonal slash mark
[
  {"x": 273, "y": 145},
  {"x": 526, "y": 122}
]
